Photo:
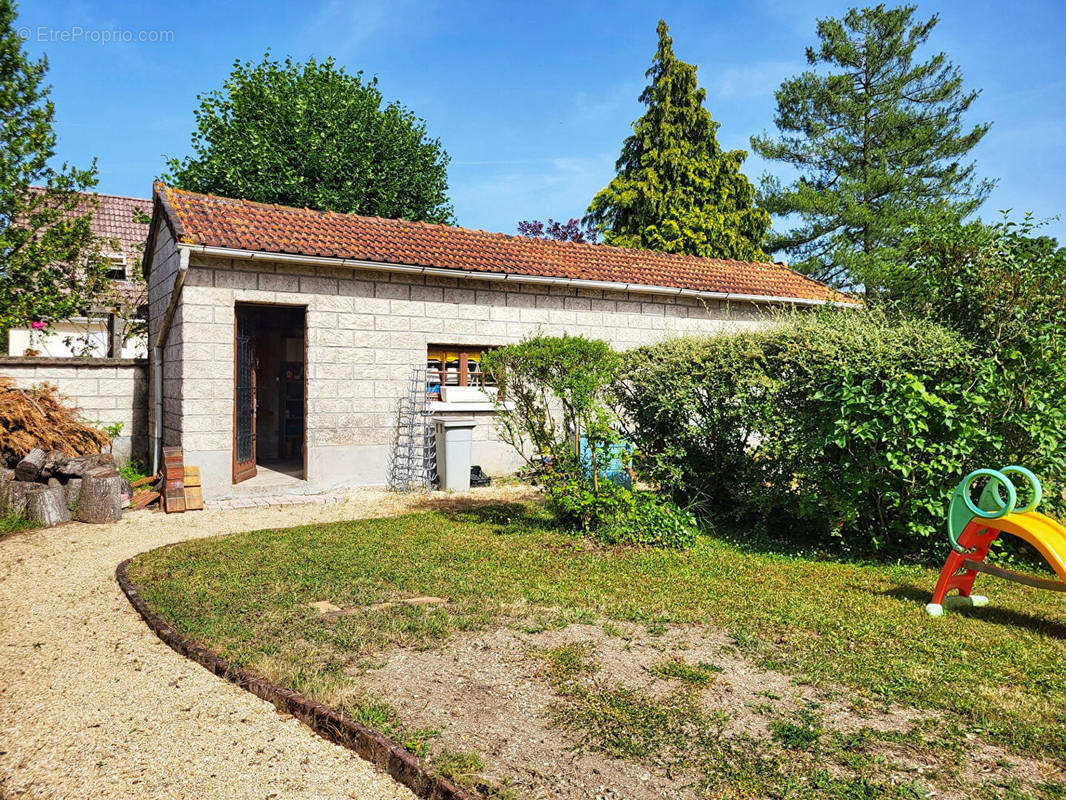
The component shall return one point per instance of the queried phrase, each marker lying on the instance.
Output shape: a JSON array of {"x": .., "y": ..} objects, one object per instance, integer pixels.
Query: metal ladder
[{"x": 412, "y": 465}]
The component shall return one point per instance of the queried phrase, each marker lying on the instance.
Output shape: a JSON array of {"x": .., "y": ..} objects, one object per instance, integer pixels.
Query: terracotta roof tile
[
  {"x": 243, "y": 225},
  {"x": 113, "y": 218}
]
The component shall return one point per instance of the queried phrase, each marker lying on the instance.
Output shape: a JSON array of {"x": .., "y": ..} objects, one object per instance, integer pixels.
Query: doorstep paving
[{"x": 275, "y": 500}]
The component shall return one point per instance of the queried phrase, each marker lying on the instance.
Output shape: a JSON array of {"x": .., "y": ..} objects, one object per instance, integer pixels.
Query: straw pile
[{"x": 42, "y": 417}]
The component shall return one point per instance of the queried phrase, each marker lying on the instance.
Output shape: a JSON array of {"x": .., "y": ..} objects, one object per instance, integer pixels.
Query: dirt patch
[{"x": 493, "y": 692}]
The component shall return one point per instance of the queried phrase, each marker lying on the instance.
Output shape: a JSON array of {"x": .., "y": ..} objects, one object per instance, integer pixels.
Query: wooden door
[{"x": 243, "y": 397}]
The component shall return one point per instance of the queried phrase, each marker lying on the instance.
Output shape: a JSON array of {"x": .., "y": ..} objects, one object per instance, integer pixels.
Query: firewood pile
[
  {"x": 52, "y": 469},
  {"x": 49, "y": 487}
]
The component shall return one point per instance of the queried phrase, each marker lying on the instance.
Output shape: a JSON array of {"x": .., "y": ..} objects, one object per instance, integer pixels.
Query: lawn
[{"x": 989, "y": 677}]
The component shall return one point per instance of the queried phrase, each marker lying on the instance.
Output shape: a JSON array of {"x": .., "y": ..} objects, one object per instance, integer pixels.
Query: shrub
[
  {"x": 844, "y": 424},
  {"x": 561, "y": 388},
  {"x": 652, "y": 522}
]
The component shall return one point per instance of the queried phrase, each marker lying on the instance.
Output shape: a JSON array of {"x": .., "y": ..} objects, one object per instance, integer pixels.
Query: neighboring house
[
  {"x": 285, "y": 338},
  {"x": 101, "y": 333}
]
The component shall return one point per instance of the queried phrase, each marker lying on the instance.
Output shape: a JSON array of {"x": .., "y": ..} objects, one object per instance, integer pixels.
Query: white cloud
[
  {"x": 495, "y": 195},
  {"x": 342, "y": 27},
  {"x": 589, "y": 107},
  {"x": 760, "y": 79}
]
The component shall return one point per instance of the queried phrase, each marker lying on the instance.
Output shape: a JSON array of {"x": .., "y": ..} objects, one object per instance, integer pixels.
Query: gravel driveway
[{"x": 93, "y": 705}]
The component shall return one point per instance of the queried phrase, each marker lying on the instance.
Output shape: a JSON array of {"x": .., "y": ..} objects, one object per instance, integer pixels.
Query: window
[
  {"x": 450, "y": 365},
  {"x": 116, "y": 267}
]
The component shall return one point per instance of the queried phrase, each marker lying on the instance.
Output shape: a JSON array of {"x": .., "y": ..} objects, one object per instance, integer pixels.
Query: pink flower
[{"x": 38, "y": 325}]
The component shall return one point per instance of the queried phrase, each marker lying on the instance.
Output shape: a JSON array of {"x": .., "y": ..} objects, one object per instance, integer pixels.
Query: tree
[
  {"x": 878, "y": 141},
  {"x": 51, "y": 266},
  {"x": 570, "y": 231},
  {"x": 311, "y": 135},
  {"x": 1004, "y": 290},
  {"x": 676, "y": 190}
]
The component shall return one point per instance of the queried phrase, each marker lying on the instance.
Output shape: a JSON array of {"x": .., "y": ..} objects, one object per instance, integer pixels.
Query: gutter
[
  {"x": 323, "y": 261},
  {"x": 157, "y": 357}
]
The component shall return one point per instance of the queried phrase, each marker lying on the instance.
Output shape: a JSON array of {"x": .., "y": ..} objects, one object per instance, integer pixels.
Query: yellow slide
[
  {"x": 1042, "y": 532},
  {"x": 973, "y": 527}
]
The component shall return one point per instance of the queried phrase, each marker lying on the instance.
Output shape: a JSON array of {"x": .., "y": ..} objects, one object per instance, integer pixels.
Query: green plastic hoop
[
  {"x": 996, "y": 475},
  {"x": 1038, "y": 490}
]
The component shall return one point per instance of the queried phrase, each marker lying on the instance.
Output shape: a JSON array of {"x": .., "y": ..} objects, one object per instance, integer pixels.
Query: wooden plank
[
  {"x": 192, "y": 476},
  {"x": 194, "y": 498},
  {"x": 1017, "y": 577},
  {"x": 143, "y": 500},
  {"x": 145, "y": 481}
]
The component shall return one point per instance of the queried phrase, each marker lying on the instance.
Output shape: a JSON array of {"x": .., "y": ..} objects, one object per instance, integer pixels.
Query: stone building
[{"x": 282, "y": 340}]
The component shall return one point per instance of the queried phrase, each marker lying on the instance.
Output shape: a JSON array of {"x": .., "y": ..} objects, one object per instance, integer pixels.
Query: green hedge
[{"x": 847, "y": 426}]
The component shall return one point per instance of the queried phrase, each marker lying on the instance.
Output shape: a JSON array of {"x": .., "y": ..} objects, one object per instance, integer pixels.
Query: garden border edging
[{"x": 327, "y": 722}]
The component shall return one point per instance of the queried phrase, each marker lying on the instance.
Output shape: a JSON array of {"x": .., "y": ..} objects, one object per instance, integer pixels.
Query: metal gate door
[{"x": 243, "y": 397}]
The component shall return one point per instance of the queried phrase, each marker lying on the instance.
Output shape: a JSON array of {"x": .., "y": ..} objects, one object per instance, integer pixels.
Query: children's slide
[{"x": 972, "y": 527}]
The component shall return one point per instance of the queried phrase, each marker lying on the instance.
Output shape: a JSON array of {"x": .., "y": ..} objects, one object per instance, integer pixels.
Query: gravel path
[{"x": 93, "y": 705}]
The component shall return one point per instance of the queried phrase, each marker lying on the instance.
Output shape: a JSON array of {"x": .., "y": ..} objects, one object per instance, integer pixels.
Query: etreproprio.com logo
[{"x": 76, "y": 34}]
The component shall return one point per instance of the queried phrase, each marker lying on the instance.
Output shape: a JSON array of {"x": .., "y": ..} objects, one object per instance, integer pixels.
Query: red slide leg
[{"x": 977, "y": 537}]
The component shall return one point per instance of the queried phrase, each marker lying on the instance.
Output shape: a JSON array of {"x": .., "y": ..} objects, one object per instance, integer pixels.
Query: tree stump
[
  {"x": 101, "y": 496},
  {"x": 47, "y": 506},
  {"x": 73, "y": 490},
  {"x": 30, "y": 467},
  {"x": 13, "y": 497}
]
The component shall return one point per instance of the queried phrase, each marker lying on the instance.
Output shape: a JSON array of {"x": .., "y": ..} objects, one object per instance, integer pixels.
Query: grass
[
  {"x": 377, "y": 714},
  {"x": 693, "y": 674},
  {"x": 13, "y": 523},
  {"x": 133, "y": 471},
  {"x": 1000, "y": 669}
]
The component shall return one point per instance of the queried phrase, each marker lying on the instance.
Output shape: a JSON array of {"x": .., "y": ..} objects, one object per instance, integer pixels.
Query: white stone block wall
[
  {"x": 165, "y": 259},
  {"x": 107, "y": 390},
  {"x": 367, "y": 331}
]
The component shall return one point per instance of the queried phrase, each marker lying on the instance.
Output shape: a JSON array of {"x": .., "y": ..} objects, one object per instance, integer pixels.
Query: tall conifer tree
[
  {"x": 676, "y": 190},
  {"x": 878, "y": 141}
]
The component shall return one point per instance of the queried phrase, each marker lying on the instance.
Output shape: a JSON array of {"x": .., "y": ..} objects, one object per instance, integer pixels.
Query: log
[
  {"x": 13, "y": 497},
  {"x": 53, "y": 464},
  {"x": 47, "y": 506},
  {"x": 101, "y": 496},
  {"x": 73, "y": 489},
  {"x": 30, "y": 467},
  {"x": 79, "y": 465}
]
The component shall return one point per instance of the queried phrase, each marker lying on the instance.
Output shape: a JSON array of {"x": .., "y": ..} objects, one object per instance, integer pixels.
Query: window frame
[{"x": 462, "y": 375}]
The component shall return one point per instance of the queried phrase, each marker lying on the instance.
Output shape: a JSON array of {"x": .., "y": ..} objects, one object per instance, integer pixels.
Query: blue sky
[{"x": 532, "y": 101}]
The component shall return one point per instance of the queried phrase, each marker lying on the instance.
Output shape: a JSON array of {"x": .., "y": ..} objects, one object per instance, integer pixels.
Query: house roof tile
[{"x": 244, "y": 225}]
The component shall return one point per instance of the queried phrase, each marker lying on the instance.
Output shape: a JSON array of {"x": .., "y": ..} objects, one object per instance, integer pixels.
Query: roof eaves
[{"x": 385, "y": 266}]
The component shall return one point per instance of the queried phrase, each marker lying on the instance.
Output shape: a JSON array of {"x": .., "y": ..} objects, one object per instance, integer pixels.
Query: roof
[
  {"x": 221, "y": 222},
  {"x": 115, "y": 217}
]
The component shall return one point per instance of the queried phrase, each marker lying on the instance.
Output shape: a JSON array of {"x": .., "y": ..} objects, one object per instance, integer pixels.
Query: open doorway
[{"x": 269, "y": 392}]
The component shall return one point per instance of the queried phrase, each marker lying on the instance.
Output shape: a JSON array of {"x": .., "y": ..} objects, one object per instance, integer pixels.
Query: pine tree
[
  {"x": 51, "y": 266},
  {"x": 878, "y": 141},
  {"x": 676, "y": 190}
]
